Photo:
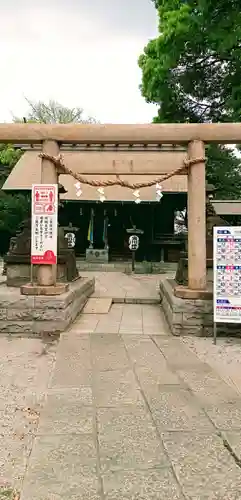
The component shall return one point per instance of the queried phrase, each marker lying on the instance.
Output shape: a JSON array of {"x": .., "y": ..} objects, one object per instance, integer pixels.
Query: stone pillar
[
  {"x": 46, "y": 275},
  {"x": 196, "y": 218}
]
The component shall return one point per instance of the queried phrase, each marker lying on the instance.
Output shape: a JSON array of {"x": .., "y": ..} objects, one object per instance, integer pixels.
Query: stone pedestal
[
  {"x": 97, "y": 255},
  {"x": 18, "y": 269},
  {"x": 17, "y": 262},
  {"x": 36, "y": 290},
  {"x": 35, "y": 315},
  {"x": 186, "y": 316},
  {"x": 190, "y": 312}
]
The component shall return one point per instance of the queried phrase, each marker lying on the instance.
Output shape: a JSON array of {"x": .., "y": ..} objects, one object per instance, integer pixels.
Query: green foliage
[
  {"x": 9, "y": 156},
  {"x": 13, "y": 210},
  {"x": 193, "y": 67},
  {"x": 13, "y": 207},
  {"x": 223, "y": 171},
  {"x": 53, "y": 112},
  {"x": 192, "y": 72}
]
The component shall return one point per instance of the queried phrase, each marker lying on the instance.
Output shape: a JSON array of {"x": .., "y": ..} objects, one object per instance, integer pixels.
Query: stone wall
[
  {"x": 25, "y": 315},
  {"x": 126, "y": 267},
  {"x": 186, "y": 317},
  {"x": 191, "y": 317}
]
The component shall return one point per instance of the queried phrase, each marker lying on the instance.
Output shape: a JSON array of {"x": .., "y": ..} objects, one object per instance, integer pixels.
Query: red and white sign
[{"x": 44, "y": 224}]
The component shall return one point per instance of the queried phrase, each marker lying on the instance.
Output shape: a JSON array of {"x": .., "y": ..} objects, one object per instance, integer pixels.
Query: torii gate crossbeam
[{"x": 180, "y": 133}]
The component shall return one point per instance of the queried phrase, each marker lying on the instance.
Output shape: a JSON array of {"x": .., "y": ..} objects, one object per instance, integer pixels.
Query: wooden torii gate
[{"x": 194, "y": 136}]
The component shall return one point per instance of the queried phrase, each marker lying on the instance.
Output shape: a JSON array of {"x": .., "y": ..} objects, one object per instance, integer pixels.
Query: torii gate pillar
[
  {"x": 197, "y": 218},
  {"x": 197, "y": 272},
  {"x": 46, "y": 275}
]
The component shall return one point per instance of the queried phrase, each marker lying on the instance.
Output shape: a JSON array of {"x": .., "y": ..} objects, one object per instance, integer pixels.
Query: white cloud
[{"x": 68, "y": 54}]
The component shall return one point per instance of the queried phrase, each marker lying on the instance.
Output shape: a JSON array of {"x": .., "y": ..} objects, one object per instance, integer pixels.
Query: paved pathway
[
  {"x": 118, "y": 410},
  {"x": 124, "y": 319},
  {"x": 123, "y": 287}
]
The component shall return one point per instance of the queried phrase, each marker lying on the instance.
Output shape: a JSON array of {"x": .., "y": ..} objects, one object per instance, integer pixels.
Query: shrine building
[{"x": 111, "y": 219}]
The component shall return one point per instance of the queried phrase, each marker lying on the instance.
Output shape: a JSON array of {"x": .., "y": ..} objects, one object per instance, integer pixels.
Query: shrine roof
[
  {"x": 227, "y": 207},
  {"x": 137, "y": 164}
]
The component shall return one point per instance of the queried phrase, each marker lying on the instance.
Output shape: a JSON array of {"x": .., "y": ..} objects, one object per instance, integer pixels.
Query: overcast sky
[{"x": 78, "y": 52}]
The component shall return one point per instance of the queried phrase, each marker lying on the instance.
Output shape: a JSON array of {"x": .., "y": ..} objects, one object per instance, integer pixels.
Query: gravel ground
[{"x": 225, "y": 357}]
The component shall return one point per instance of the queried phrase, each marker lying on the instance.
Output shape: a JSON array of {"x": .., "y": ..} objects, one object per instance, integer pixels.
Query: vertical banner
[
  {"x": 227, "y": 274},
  {"x": 44, "y": 224},
  {"x": 90, "y": 236}
]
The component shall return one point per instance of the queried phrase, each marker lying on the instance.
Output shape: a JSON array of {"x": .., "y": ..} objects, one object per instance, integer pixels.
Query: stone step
[
  {"x": 136, "y": 300},
  {"x": 97, "y": 305}
]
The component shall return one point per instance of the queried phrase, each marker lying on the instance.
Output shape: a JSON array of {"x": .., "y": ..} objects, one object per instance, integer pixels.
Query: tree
[
  {"x": 14, "y": 208},
  {"x": 53, "y": 112},
  {"x": 192, "y": 72}
]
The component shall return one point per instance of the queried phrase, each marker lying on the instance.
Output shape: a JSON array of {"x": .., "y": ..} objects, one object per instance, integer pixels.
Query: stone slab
[
  {"x": 62, "y": 467},
  {"x": 144, "y": 353},
  {"x": 141, "y": 485},
  {"x": 128, "y": 439},
  {"x": 14, "y": 456},
  {"x": 178, "y": 355},
  {"x": 207, "y": 386},
  {"x": 151, "y": 379},
  {"x": 97, "y": 306},
  {"x": 65, "y": 413},
  {"x": 203, "y": 466},
  {"x": 174, "y": 408},
  {"x": 114, "y": 388},
  {"x": 108, "y": 353},
  {"x": 142, "y": 300},
  {"x": 73, "y": 364},
  {"x": 84, "y": 324},
  {"x": 19, "y": 421},
  {"x": 226, "y": 416},
  {"x": 232, "y": 439}
]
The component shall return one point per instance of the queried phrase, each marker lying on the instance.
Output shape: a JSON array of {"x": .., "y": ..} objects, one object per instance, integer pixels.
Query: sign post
[
  {"x": 133, "y": 246},
  {"x": 226, "y": 276},
  {"x": 44, "y": 224}
]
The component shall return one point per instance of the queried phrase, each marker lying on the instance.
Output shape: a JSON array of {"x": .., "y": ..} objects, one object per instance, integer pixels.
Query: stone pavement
[
  {"x": 123, "y": 319},
  {"x": 117, "y": 410},
  {"x": 122, "y": 287}
]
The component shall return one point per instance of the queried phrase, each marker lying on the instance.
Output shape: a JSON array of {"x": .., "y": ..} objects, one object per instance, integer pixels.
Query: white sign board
[
  {"x": 134, "y": 242},
  {"x": 227, "y": 274},
  {"x": 44, "y": 224}
]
